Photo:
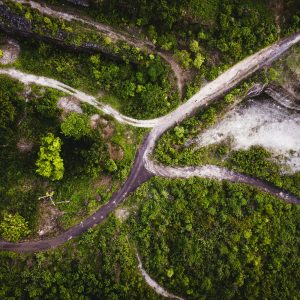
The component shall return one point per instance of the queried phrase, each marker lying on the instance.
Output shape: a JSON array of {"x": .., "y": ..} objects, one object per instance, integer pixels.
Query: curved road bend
[
  {"x": 144, "y": 168},
  {"x": 115, "y": 36},
  {"x": 137, "y": 176},
  {"x": 219, "y": 173}
]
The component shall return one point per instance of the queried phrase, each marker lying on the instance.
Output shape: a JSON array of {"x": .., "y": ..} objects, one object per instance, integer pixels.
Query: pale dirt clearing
[
  {"x": 261, "y": 123},
  {"x": 69, "y": 104},
  {"x": 216, "y": 88},
  {"x": 10, "y": 52}
]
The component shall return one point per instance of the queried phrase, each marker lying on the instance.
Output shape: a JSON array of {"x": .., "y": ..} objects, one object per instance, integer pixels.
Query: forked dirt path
[
  {"x": 144, "y": 168},
  {"x": 115, "y": 35}
]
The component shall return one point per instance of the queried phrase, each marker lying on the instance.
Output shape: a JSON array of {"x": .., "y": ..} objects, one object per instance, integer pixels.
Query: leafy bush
[
  {"x": 76, "y": 126},
  {"x": 13, "y": 227}
]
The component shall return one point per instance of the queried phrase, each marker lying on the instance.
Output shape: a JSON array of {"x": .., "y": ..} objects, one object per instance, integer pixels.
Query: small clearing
[
  {"x": 115, "y": 151},
  {"x": 48, "y": 220},
  {"x": 24, "y": 145},
  {"x": 259, "y": 122},
  {"x": 69, "y": 104},
  {"x": 122, "y": 214},
  {"x": 11, "y": 50}
]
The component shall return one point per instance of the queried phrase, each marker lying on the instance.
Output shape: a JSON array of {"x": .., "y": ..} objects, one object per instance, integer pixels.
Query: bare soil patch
[
  {"x": 24, "y": 145},
  {"x": 115, "y": 151},
  {"x": 48, "y": 219},
  {"x": 11, "y": 50},
  {"x": 69, "y": 104}
]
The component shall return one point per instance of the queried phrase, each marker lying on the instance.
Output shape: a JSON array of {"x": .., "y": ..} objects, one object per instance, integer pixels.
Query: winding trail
[
  {"x": 114, "y": 35},
  {"x": 144, "y": 168},
  {"x": 153, "y": 284},
  {"x": 83, "y": 97}
]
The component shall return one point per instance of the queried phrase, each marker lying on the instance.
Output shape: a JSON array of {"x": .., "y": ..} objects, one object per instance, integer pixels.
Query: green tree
[
  {"x": 272, "y": 74},
  {"x": 194, "y": 46},
  {"x": 49, "y": 162},
  {"x": 13, "y": 227},
  {"x": 111, "y": 166},
  {"x": 76, "y": 126},
  {"x": 198, "y": 61}
]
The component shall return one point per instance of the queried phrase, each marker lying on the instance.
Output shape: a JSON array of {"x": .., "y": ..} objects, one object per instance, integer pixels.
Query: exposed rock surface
[{"x": 70, "y": 104}]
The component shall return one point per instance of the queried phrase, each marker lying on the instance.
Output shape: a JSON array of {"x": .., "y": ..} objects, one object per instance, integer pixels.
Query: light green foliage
[
  {"x": 28, "y": 16},
  {"x": 229, "y": 98},
  {"x": 170, "y": 272},
  {"x": 49, "y": 162},
  {"x": 13, "y": 227},
  {"x": 272, "y": 74},
  {"x": 111, "y": 166},
  {"x": 184, "y": 58},
  {"x": 179, "y": 131},
  {"x": 198, "y": 61},
  {"x": 107, "y": 40},
  {"x": 1, "y": 53},
  {"x": 194, "y": 46},
  {"x": 76, "y": 126}
]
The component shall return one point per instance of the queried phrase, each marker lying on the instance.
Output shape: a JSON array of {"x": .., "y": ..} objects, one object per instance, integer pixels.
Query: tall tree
[{"x": 49, "y": 163}]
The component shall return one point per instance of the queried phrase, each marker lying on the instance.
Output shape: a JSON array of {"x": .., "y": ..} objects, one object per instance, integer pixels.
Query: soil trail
[
  {"x": 153, "y": 284},
  {"x": 83, "y": 97}
]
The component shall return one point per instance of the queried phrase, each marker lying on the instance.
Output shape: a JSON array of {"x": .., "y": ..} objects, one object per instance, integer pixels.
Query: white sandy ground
[
  {"x": 115, "y": 36},
  {"x": 259, "y": 123},
  {"x": 153, "y": 284}
]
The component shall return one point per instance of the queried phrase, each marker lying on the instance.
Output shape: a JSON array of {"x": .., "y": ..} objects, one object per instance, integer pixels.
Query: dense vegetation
[
  {"x": 209, "y": 240},
  {"x": 230, "y": 241},
  {"x": 100, "y": 265},
  {"x": 38, "y": 143},
  {"x": 216, "y": 32},
  {"x": 200, "y": 239},
  {"x": 138, "y": 91}
]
